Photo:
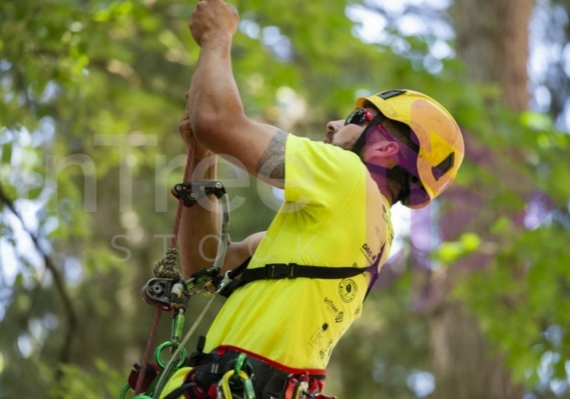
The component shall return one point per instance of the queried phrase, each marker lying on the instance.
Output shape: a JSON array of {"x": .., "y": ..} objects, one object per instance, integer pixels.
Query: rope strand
[
  {"x": 187, "y": 175},
  {"x": 168, "y": 263},
  {"x": 148, "y": 349}
]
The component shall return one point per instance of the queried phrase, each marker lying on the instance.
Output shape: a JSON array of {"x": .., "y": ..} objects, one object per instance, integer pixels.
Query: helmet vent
[
  {"x": 391, "y": 93},
  {"x": 442, "y": 168}
]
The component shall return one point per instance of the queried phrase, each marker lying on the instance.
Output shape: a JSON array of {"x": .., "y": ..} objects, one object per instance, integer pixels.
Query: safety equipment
[
  {"x": 441, "y": 147},
  {"x": 229, "y": 374}
]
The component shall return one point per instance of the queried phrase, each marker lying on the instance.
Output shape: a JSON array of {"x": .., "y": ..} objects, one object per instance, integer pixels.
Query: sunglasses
[{"x": 358, "y": 117}]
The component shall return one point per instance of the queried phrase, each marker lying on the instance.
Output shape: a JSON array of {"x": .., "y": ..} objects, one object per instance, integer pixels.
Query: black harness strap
[
  {"x": 274, "y": 271},
  {"x": 277, "y": 271}
]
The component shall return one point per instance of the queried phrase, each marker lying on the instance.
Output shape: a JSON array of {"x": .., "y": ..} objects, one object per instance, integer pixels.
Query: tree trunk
[
  {"x": 462, "y": 364},
  {"x": 492, "y": 40}
]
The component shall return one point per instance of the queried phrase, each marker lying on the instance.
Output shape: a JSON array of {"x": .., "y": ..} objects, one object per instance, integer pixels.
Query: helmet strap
[
  {"x": 396, "y": 174},
  {"x": 361, "y": 140}
]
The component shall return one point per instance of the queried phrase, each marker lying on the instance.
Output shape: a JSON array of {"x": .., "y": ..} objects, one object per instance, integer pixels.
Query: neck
[{"x": 387, "y": 187}]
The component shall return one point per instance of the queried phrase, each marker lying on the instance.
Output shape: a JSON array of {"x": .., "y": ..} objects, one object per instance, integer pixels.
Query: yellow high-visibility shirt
[{"x": 333, "y": 215}]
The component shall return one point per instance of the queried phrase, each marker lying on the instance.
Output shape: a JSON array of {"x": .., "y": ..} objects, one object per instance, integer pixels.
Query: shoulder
[
  {"x": 271, "y": 163},
  {"x": 319, "y": 173},
  {"x": 304, "y": 151},
  {"x": 303, "y": 154}
]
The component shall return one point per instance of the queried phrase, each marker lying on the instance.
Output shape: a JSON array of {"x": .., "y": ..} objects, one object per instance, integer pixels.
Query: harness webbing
[
  {"x": 292, "y": 270},
  {"x": 276, "y": 271}
]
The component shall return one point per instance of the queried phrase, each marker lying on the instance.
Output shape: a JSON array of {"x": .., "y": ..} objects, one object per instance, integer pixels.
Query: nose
[{"x": 332, "y": 128}]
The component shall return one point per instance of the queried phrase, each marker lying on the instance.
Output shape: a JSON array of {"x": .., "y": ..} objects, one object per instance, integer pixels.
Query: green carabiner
[
  {"x": 243, "y": 376},
  {"x": 239, "y": 363},
  {"x": 168, "y": 344},
  {"x": 126, "y": 389},
  {"x": 248, "y": 389}
]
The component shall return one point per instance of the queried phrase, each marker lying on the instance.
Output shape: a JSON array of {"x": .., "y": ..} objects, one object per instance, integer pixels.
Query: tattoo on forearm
[{"x": 272, "y": 162}]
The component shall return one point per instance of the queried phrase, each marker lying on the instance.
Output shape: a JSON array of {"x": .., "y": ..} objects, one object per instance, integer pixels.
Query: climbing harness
[
  {"x": 216, "y": 376},
  {"x": 230, "y": 372}
]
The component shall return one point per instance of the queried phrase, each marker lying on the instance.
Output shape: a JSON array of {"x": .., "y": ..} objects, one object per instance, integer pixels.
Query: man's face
[{"x": 343, "y": 134}]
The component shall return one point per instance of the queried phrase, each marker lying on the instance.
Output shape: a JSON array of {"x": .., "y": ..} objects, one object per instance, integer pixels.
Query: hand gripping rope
[{"x": 168, "y": 291}]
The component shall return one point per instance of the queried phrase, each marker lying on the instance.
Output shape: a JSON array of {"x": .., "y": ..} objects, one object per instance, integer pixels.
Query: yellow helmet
[{"x": 441, "y": 146}]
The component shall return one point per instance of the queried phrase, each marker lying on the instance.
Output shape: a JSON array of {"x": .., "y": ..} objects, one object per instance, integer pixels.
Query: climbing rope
[{"x": 166, "y": 268}]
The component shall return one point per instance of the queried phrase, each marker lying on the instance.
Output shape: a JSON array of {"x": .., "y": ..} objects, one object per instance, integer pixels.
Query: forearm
[
  {"x": 199, "y": 225},
  {"x": 215, "y": 101}
]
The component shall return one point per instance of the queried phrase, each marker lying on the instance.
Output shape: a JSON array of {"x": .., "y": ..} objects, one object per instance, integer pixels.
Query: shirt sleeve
[{"x": 319, "y": 174}]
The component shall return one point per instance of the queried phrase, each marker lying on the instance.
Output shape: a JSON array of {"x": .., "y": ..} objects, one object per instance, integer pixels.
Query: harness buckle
[{"x": 279, "y": 270}]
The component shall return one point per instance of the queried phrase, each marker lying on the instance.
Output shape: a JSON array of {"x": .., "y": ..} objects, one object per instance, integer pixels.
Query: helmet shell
[{"x": 441, "y": 146}]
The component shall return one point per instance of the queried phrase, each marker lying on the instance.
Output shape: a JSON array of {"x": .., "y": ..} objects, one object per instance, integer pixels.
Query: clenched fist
[{"x": 213, "y": 18}]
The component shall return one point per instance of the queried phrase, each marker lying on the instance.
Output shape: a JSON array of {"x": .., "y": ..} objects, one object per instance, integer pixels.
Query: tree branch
[{"x": 69, "y": 311}]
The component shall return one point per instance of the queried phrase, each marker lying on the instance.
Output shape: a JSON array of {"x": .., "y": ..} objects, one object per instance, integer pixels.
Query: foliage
[
  {"x": 90, "y": 96},
  {"x": 386, "y": 351}
]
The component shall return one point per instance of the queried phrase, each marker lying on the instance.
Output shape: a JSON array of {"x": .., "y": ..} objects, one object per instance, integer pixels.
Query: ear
[{"x": 381, "y": 150}]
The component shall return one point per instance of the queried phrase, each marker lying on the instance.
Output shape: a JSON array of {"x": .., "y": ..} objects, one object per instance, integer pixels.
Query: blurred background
[{"x": 474, "y": 302}]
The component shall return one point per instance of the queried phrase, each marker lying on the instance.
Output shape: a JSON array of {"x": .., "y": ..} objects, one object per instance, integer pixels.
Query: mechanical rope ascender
[{"x": 168, "y": 291}]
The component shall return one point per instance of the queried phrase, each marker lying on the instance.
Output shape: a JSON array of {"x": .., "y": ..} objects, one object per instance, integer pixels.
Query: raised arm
[
  {"x": 218, "y": 118},
  {"x": 199, "y": 227},
  {"x": 200, "y": 223}
]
